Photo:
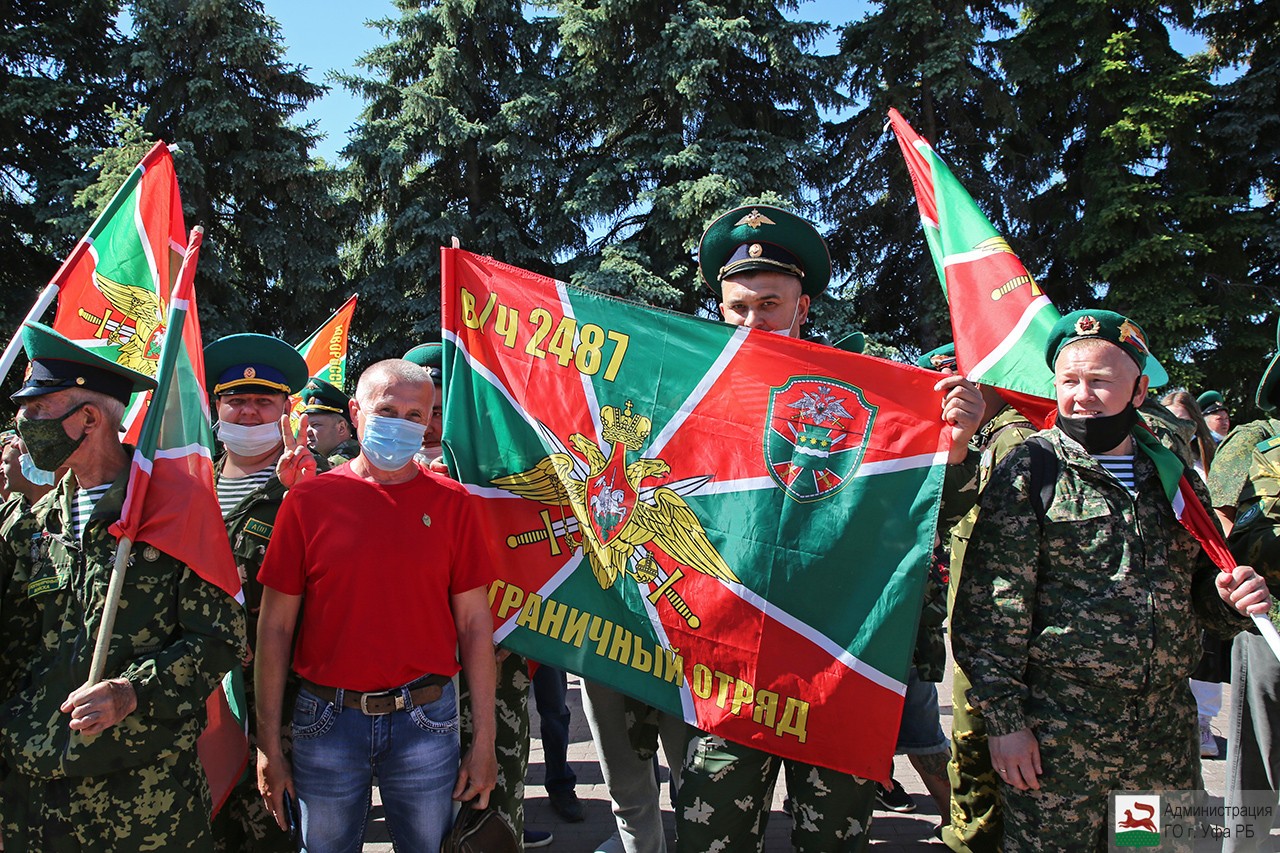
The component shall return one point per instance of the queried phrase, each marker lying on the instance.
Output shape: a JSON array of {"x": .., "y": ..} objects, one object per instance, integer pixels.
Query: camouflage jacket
[
  {"x": 249, "y": 526},
  {"x": 344, "y": 453},
  {"x": 18, "y": 620},
  {"x": 1233, "y": 458},
  {"x": 1098, "y": 600},
  {"x": 1255, "y": 539},
  {"x": 175, "y": 636}
]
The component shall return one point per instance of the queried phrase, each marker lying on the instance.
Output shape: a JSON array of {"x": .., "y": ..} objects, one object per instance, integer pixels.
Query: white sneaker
[{"x": 1208, "y": 744}]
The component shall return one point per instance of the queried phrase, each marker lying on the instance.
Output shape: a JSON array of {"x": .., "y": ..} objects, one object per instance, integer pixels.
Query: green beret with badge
[
  {"x": 319, "y": 396},
  {"x": 430, "y": 356},
  {"x": 58, "y": 363},
  {"x": 942, "y": 358},
  {"x": 253, "y": 364},
  {"x": 854, "y": 342},
  {"x": 759, "y": 237},
  {"x": 1108, "y": 326}
]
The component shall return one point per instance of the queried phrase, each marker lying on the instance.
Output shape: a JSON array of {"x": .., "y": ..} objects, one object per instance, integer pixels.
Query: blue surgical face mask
[
  {"x": 389, "y": 443},
  {"x": 35, "y": 476}
]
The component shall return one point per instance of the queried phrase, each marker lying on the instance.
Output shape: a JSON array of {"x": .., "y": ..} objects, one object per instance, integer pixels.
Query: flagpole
[
  {"x": 1268, "y": 632},
  {"x": 42, "y": 304},
  {"x": 155, "y": 413}
]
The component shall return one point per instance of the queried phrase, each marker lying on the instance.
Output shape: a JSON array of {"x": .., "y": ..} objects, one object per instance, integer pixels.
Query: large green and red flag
[
  {"x": 1000, "y": 319},
  {"x": 325, "y": 351},
  {"x": 732, "y": 526},
  {"x": 170, "y": 504},
  {"x": 113, "y": 290}
]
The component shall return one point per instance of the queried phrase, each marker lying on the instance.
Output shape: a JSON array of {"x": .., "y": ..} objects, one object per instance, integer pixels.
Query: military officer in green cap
[
  {"x": 766, "y": 265},
  {"x": 251, "y": 377},
  {"x": 330, "y": 432},
  {"x": 112, "y": 765},
  {"x": 1078, "y": 617},
  {"x": 1214, "y": 409}
]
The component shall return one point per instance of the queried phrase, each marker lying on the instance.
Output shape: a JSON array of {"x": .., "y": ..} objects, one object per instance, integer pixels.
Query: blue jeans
[
  {"x": 338, "y": 751},
  {"x": 550, "y": 685}
]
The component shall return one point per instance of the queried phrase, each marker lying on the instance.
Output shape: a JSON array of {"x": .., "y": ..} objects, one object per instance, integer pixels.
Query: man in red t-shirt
[{"x": 381, "y": 567}]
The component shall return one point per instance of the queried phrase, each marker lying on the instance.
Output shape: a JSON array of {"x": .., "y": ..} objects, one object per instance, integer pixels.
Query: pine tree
[
  {"x": 56, "y": 76},
  {"x": 1243, "y": 130},
  {"x": 1120, "y": 171},
  {"x": 692, "y": 109},
  {"x": 211, "y": 78},
  {"x": 934, "y": 60},
  {"x": 459, "y": 138}
]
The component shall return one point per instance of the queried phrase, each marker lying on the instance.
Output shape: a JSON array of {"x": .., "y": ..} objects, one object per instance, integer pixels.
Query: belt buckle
[{"x": 364, "y": 707}]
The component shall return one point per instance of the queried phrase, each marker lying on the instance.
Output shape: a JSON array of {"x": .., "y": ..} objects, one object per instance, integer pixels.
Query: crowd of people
[{"x": 1089, "y": 628}]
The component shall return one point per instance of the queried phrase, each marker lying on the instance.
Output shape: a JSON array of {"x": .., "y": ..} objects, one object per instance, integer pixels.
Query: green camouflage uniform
[
  {"x": 139, "y": 784},
  {"x": 1083, "y": 631},
  {"x": 1233, "y": 458},
  {"x": 344, "y": 453},
  {"x": 975, "y": 825},
  {"x": 19, "y": 629},
  {"x": 511, "y": 741},
  {"x": 244, "y": 824}
]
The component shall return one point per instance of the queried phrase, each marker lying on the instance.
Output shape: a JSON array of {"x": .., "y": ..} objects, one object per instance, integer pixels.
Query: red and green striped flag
[
  {"x": 113, "y": 290},
  {"x": 325, "y": 351},
  {"x": 170, "y": 504},
  {"x": 1000, "y": 319},
  {"x": 732, "y": 526}
]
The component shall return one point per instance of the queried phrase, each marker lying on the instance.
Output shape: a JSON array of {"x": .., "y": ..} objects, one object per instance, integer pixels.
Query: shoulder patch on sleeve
[
  {"x": 1249, "y": 515},
  {"x": 1269, "y": 445}
]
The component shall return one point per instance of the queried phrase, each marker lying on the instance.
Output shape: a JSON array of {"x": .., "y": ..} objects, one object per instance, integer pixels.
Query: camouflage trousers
[
  {"x": 1092, "y": 743},
  {"x": 512, "y": 741},
  {"x": 162, "y": 806},
  {"x": 975, "y": 825},
  {"x": 726, "y": 792}
]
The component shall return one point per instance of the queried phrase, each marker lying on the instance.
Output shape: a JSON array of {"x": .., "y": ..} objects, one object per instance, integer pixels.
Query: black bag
[{"x": 480, "y": 831}]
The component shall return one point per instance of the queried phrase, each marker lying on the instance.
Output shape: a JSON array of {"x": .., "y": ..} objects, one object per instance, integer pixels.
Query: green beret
[
  {"x": 253, "y": 364},
  {"x": 1097, "y": 323},
  {"x": 1210, "y": 402},
  {"x": 58, "y": 363},
  {"x": 762, "y": 237},
  {"x": 1267, "y": 396},
  {"x": 430, "y": 356},
  {"x": 319, "y": 396},
  {"x": 939, "y": 359}
]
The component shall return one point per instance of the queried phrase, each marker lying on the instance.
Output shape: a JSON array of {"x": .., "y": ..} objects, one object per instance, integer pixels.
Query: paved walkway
[{"x": 891, "y": 832}]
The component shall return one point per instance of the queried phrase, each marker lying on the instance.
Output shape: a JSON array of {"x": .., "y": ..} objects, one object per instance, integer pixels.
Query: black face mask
[{"x": 1101, "y": 433}]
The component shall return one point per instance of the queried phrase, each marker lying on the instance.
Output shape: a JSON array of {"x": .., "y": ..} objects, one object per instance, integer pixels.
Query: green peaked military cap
[
  {"x": 59, "y": 363},
  {"x": 1109, "y": 326},
  {"x": 253, "y": 364},
  {"x": 430, "y": 356},
  {"x": 1210, "y": 402},
  {"x": 762, "y": 237},
  {"x": 319, "y": 396},
  {"x": 854, "y": 342},
  {"x": 1267, "y": 398},
  {"x": 939, "y": 358}
]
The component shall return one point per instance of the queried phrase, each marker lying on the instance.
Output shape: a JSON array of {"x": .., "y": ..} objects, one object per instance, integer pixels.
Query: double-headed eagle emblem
[
  {"x": 138, "y": 328},
  {"x": 615, "y": 518}
]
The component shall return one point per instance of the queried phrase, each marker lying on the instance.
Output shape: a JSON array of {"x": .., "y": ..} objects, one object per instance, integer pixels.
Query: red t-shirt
[{"x": 375, "y": 565}]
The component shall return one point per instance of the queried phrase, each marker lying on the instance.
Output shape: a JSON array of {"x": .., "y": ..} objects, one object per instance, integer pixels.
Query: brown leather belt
[{"x": 424, "y": 691}]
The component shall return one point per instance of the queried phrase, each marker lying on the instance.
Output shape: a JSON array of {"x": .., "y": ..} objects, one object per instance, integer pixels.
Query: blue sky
[{"x": 330, "y": 36}]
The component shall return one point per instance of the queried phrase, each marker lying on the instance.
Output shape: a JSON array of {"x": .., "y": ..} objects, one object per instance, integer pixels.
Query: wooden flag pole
[{"x": 116, "y": 586}]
